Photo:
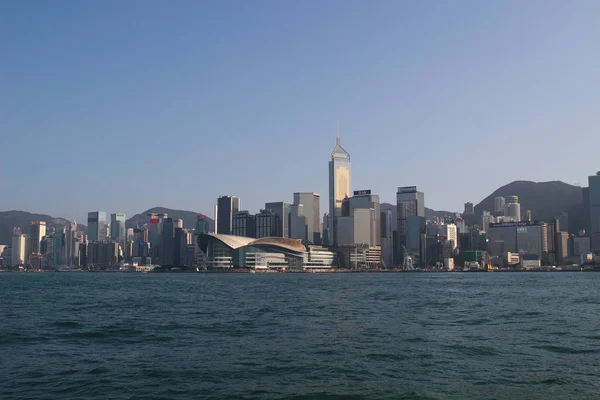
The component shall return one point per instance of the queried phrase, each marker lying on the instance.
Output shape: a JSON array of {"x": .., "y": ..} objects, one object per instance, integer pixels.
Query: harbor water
[{"x": 300, "y": 336}]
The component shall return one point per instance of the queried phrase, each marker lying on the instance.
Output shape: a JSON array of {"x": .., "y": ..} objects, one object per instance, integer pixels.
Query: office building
[
  {"x": 167, "y": 243},
  {"x": 181, "y": 242},
  {"x": 409, "y": 202},
  {"x": 586, "y": 210},
  {"x": 581, "y": 245},
  {"x": 102, "y": 254},
  {"x": 359, "y": 222},
  {"x": 97, "y": 226},
  {"x": 517, "y": 237},
  {"x": 594, "y": 211},
  {"x": 502, "y": 237},
  {"x": 528, "y": 216},
  {"x": 155, "y": 225},
  {"x": 117, "y": 228},
  {"x": 339, "y": 186},
  {"x": 326, "y": 235},
  {"x": 267, "y": 224},
  {"x": 387, "y": 243},
  {"x": 469, "y": 209},
  {"x": 201, "y": 224},
  {"x": 499, "y": 203},
  {"x": 244, "y": 224},
  {"x": 19, "y": 248},
  {"x": 298, "y": 222},
  {"x": 311, "y": 207},
  {"x": 530, "y": 240},
  {"x": 512, "y": 209},
  {"x": 36, "y": 234},
  {"x": 227, "y": 206},
  {"x": 416, "y": 245},
  {"x": 282, "y": 210}
]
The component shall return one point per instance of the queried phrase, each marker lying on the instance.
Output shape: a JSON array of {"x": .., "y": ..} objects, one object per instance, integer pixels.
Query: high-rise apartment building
[
  {"x": 486, "y": 219},
  {"x": 282, "y": 210},
  {"x": 594, "y": 207},
  {"x": 512, "y": 209},
  {"x": 450, "y": 231},
  {"x": 409, "y": 202},
  {"x": 311, "y": 208},
  {"x": 96, "y": 226},
  {"x": 227, "y": 206},
  {"x": 562, "y": 248},
  {"x": 19, "y": 248},
  {"x": 499, "y": 203},
  {"x": 339, "y": 186}
]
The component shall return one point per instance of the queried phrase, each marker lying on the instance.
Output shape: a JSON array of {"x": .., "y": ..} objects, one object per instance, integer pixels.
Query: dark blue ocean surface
[{"x": 303, "y": 336}]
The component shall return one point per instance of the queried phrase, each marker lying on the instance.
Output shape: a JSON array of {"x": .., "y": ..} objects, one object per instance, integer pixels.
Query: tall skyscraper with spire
[{"x": 339, "y": 186}]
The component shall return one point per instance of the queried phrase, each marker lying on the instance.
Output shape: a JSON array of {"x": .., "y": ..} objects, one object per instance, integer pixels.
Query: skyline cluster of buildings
[{"x": 354, "y": 232}]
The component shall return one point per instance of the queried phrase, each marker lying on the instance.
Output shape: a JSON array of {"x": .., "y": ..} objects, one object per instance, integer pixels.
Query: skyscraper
[
  {"x": 387, "y": 244},
  {"x": 167, "y": 243},
  {"x": 282, "y": 210},
  {"x": 201, "y": 224},
  {"x": 311, "y": 208},
  {"x": 297, "y": 222},
  {"x": 226, "y": 207},
  {"x": 469, "y": 209},
  {"x": 36, "y": 233},
  {"x": 339, "y": 186},
  {"x": 594, "y": 204},
  {"x": 244, "y": 224},
  {"x": 117, "y": 228},
  {"x": 267, "y": 223},
  {"x": 96, "y": 228},
  {"x": 409, "y": 202},
  {"x": 18, "y": 250}
]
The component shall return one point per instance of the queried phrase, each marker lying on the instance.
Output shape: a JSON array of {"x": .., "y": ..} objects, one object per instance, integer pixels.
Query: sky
[{"x": 121, "y": 106}]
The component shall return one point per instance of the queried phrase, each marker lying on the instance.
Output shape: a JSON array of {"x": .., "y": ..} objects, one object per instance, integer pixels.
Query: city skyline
[{"x": 419, "y": 90}]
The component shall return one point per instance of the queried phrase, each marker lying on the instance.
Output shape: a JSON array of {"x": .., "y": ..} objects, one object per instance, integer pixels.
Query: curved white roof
[{"x": 235, "y": 242}]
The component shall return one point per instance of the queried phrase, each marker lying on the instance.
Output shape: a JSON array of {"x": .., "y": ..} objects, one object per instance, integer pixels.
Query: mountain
[
  {"x": 546, "y": 200},
  {"x": 21, "y": 219},
  {"x": 429, "y": 213},
  {"x": 189, "y": 217}
]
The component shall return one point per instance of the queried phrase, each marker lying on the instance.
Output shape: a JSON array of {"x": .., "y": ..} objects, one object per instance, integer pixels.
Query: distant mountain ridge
[
  {"x": 546, "y": 200},
  {"x": 21, "y": 219}
]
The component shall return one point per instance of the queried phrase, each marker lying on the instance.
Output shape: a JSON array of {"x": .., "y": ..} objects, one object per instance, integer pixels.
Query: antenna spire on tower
[{"x": 337, "y": 138}]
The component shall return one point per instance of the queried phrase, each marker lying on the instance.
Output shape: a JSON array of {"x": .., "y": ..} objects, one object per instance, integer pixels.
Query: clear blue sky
[{"x": 126, "y": 105}]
